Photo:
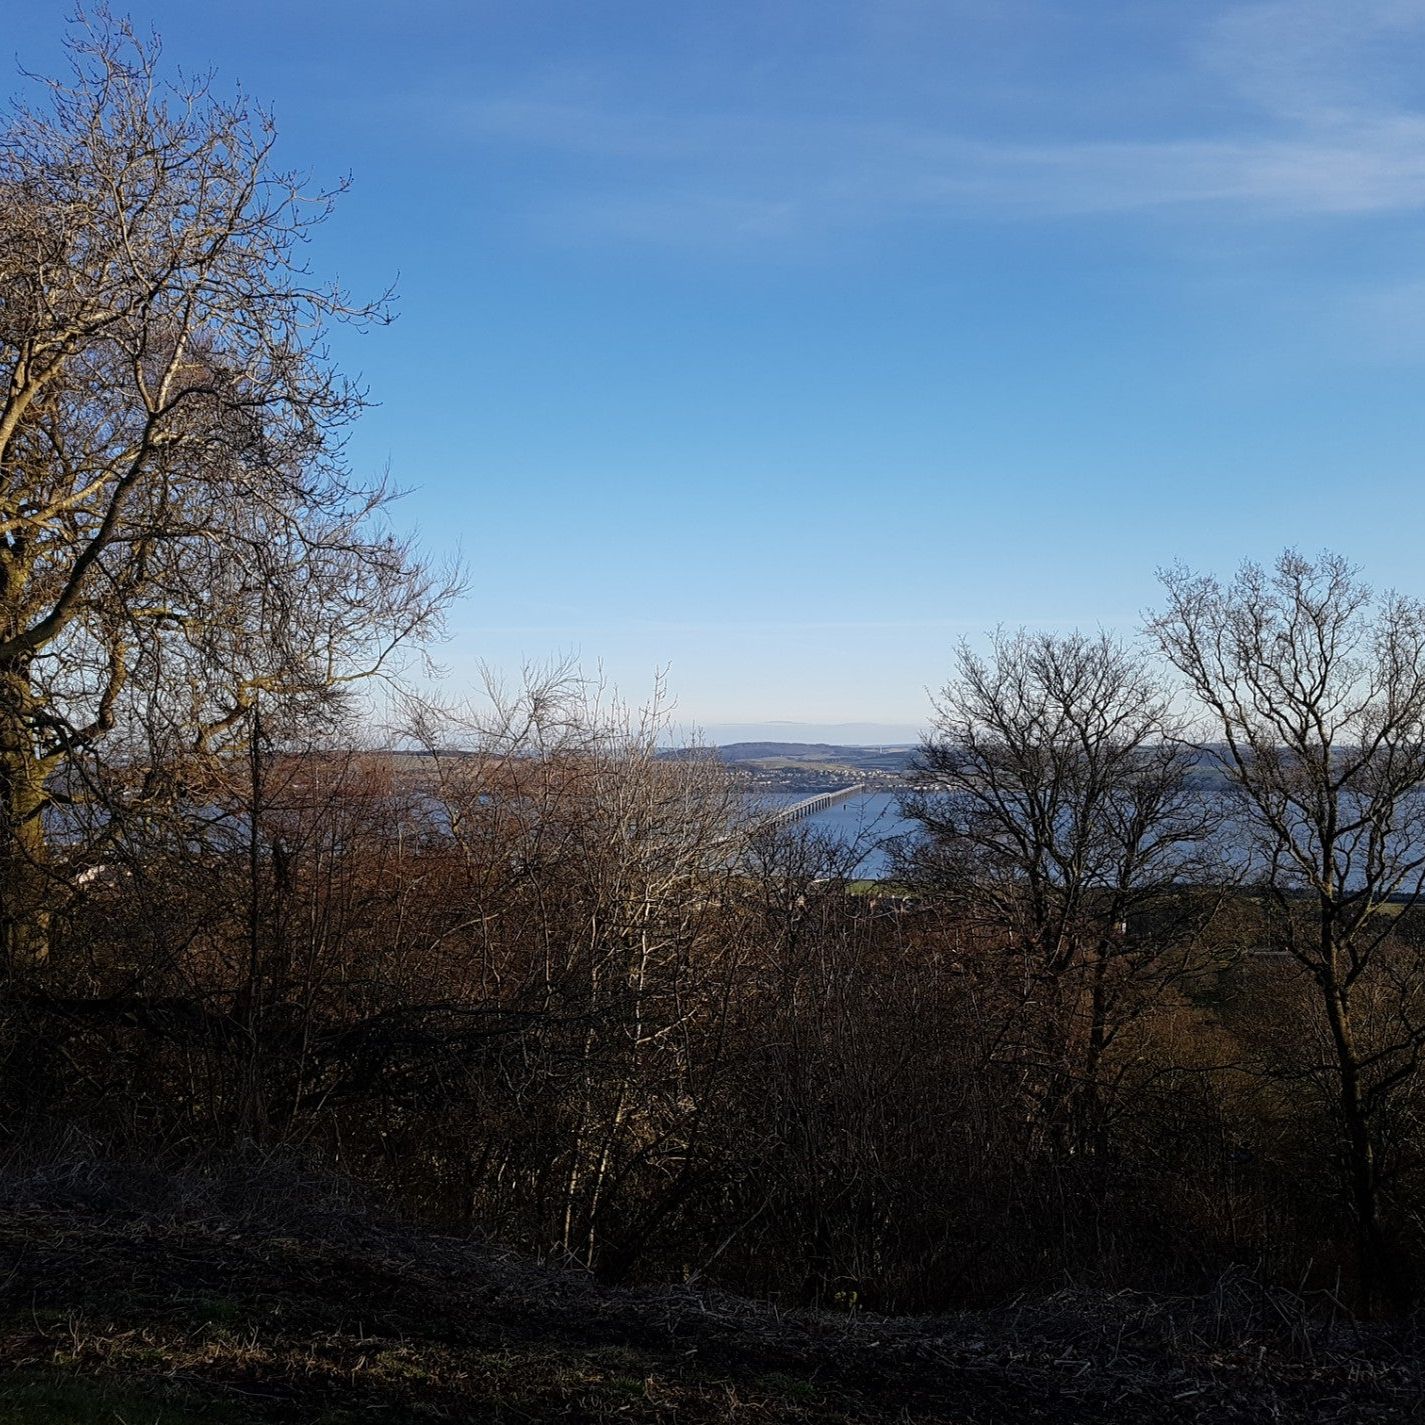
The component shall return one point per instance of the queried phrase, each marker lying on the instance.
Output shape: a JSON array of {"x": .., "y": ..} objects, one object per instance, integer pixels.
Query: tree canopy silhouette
[{"x": 179, "y": 533}]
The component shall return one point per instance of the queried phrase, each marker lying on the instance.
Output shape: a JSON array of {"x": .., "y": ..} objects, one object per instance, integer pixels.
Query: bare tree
[
  {"x": 1063, "y": 823},
  {"x": 179, "y": 535},
  {"x": 594, "y": 872},
  {"x": 1316, "y": 688}
]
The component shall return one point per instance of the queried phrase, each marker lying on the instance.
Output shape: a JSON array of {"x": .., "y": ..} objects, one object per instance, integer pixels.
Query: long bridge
[{"x": 798, "y": 811}]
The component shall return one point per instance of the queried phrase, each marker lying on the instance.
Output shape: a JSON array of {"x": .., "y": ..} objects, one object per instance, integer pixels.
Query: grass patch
[
  {"x": 789, "y": 1387},
  {"x": 215, "y": 1311},
  {"x": 51, "y": 1397}
]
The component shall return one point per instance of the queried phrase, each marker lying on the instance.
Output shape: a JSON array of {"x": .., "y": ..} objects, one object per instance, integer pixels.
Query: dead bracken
[{"x": 257, "y": 1292}]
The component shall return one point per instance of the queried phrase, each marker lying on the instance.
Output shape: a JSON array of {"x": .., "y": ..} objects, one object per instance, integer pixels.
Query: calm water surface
[{"x": 868, "y": 819}]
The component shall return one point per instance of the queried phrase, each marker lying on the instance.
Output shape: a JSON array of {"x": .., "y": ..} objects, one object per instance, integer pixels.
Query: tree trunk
[
  {"x": 26, "y": 887},
  {"x": 1378, "y": 1276},
  {"x": 1089, "y": 1131}
]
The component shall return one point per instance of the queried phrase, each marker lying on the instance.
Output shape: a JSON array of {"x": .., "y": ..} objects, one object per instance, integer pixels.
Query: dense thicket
[{"x": 550, "y": 985}]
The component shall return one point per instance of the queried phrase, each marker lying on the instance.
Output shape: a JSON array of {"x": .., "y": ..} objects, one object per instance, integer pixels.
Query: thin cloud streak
[
  {"x": 1320, "y": 137},
  {"x": 798, "y": 177}
]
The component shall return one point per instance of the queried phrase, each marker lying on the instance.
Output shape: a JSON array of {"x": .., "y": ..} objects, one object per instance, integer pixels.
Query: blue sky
[{"x": 780, "y": 344}]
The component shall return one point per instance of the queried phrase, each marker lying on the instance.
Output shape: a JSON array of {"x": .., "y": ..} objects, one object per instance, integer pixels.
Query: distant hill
[
  {"x": 767, "y": 755},
  {"x": 803, "y": 751},
  {"x": 813, "y": 759}
]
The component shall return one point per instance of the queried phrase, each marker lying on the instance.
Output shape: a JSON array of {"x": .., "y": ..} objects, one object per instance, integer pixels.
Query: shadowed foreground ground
[{"x": 259, "y": 1296}]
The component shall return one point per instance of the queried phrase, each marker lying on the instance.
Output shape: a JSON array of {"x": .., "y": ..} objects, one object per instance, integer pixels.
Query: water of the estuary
[{"x": 865, "y": 821}]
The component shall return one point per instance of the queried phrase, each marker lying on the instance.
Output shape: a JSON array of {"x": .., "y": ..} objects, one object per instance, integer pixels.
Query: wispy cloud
[
  {"x": 1318, "y": 127},
  {"x": 1318, "y": 61},
  {"x": 791, "y": 183}
]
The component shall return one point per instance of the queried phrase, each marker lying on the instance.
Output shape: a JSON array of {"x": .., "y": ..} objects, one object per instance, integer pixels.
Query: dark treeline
[
  {"x": 1142, "y": 1003},
  {"x": 553, "y": 986}
]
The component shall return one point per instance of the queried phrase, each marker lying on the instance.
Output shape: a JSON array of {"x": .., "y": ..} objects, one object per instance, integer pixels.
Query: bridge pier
[{"x": 820, "y": 802}]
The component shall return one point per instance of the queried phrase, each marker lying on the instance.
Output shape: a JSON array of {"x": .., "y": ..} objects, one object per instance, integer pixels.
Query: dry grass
[{"x": 262, "y": 1294}]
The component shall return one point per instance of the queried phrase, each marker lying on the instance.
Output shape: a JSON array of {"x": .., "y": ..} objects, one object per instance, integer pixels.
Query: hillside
[
  {"x": 263, "y": 1296},
  {"x": 808, "y": 764},
  {"x": 877, "y": 759}
]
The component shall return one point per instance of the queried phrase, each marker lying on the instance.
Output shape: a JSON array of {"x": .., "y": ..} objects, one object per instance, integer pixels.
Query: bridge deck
[{"x": 812, "y": 805}]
